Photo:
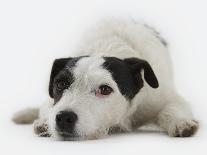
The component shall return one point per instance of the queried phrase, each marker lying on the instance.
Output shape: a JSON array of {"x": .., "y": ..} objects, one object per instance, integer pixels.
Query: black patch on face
[
  {"x": 58, "y": 65},
  {"x": 61, "y": 73},
  {"x": 64, "y": 76},
  {"x": 127, "y": 74}
]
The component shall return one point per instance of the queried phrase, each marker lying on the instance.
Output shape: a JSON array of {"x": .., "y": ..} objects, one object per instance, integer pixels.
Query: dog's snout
[{"x": 65, "y": 120}]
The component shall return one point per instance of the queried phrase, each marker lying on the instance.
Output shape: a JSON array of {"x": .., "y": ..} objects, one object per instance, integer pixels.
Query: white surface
[{"x": 34, "y": 33}]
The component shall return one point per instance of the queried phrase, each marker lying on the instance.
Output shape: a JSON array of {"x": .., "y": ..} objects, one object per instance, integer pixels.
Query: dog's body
[{"x": 125, "y": 61}]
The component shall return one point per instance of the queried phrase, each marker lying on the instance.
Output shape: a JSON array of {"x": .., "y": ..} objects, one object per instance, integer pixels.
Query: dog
[{"x": 119, "y": 79}]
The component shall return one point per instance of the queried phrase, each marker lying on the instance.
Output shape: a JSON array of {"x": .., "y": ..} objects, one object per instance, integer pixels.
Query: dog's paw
[
  {"x": 183, "y": 128},
  {"x": 41, "y": 128}
]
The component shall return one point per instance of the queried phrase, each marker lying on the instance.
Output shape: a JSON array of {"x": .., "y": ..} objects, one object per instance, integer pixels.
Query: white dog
[{"x": 119, "y": 80}]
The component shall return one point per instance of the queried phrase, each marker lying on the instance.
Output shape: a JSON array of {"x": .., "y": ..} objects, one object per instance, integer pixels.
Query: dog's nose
[{"x": 65, "y": 120}]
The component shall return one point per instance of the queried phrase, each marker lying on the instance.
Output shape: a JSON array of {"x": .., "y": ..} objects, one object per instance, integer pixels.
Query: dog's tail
[{"x": 26, "y": 116}]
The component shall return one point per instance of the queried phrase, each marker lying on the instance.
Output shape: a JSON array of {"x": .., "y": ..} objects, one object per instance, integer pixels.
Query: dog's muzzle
[{"x": 65, "y": 123}]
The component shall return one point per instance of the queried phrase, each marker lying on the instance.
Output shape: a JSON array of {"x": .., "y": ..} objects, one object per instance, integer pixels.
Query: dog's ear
[
  {"x": 137, "y": 65},
  {"x": 58, "y": 65}
]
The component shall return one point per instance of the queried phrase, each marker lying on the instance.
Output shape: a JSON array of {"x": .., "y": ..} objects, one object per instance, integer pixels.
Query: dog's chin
[{"x": 64, "y": 136}]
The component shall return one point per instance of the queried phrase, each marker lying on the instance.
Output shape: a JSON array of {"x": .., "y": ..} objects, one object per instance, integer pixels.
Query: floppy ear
[
  {"x": 58, "y": 65},
  {"x": 137, "y": 65}
]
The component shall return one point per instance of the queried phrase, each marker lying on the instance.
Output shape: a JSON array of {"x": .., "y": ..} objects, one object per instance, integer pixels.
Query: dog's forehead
[
  {"x": 88, "y": 67},
  {"x": 89, "y": 63},
  {"x": 89, "y": 72},
  {"x": 92, "y": 64}
]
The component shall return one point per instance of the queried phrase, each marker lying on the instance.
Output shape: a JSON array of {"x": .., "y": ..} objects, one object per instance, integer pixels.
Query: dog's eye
[
  {"x": 61, "y": 85},
  {"x": 105, "y": 90}
]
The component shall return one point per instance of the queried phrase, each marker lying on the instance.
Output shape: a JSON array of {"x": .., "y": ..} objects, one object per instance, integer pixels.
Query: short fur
[{"x": 134, "y": 61}]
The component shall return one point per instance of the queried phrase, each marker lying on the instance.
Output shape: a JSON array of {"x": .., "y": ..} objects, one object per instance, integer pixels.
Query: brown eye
[
  {"x": 61, "y": 85},
  {"x": 105, "y": 90}
]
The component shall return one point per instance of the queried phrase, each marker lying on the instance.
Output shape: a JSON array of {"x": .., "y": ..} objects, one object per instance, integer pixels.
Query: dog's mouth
[{"x": 68, "y": 136}]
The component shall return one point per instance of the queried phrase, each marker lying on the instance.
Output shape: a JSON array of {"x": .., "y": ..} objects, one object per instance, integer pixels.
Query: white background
[{"x": 34, "y": 33}]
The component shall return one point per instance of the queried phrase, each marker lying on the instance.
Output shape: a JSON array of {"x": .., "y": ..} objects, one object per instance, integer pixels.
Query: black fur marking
[
  {"x": 58, "y": 65},
  {"x": 128, "y": 84},
  {"x": 64, "y": 76},
  {"x": 127, "y": 74},
  {"x": 61, "y": 72},
  {"x": 136, "y": 65}
]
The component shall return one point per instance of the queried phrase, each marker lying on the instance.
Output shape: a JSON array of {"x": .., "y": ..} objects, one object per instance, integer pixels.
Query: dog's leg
[
  {"x": 41, "y": 128},
  {"x": 26, "y": 116},
  {"x": 176, "y": 118}
]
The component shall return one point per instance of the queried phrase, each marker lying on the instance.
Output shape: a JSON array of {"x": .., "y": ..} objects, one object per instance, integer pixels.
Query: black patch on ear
[
  {"x": 58, "y": 65},
  {"x": 128, "y": 84},
  {"x": 136, "y": 65},
  {"x": 61, "y": 72},
  {"x": 127, "y": 74}
]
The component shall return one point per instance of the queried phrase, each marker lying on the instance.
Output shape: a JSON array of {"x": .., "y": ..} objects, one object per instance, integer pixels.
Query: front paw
[
  {"x": 183, "y": 128},
  {"x": 41, "y": 128}
]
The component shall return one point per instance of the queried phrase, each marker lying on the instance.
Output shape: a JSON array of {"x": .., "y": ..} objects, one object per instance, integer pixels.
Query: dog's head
[{"x": 92, "y": 94}]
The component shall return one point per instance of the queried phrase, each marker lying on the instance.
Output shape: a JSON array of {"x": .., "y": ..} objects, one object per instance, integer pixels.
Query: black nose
[{"x": 65, "y": 121}]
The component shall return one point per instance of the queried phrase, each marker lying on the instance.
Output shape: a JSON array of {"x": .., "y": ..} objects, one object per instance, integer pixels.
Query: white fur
[{"x": 162, "y": 106}]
